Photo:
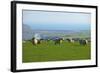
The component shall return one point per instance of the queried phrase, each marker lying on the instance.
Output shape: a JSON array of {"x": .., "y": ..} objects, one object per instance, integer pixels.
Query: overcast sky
[{"x": 49, "y": 20}]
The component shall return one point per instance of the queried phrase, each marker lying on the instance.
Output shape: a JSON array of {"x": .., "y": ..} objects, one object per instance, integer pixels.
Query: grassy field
[{"x": 48, "y": 51}]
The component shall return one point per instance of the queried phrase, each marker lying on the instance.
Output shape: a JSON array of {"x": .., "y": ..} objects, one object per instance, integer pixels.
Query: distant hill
[{"x": 28, "y": 33}]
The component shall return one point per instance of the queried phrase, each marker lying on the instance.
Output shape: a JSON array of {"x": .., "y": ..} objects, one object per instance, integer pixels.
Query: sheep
[
  {"x": 58, "y": 41},
  {"x": 70, "y": 40},
  {"x": 83, "y": 42},
  {"x": 35, "y": 41}
]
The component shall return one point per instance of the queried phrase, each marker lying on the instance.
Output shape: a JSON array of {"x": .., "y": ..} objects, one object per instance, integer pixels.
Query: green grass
[{"x": 48, "y": 51}]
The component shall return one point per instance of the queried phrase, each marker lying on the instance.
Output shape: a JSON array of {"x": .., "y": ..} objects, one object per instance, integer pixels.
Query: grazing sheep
[
  {"x": 58, "y": 41},
  {"x": 70, "y": 40},
  {"x": 83, "y": 42},
  {"x": 35, "y": 41},
  {"x": 76, "y": 39}
]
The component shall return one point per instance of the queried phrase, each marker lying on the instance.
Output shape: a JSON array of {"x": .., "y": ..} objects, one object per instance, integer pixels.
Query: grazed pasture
[{"x": 48, "y": 51}]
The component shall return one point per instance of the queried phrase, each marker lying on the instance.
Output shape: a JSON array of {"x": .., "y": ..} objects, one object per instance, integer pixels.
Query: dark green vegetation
[{"x": 48, "y": 51}]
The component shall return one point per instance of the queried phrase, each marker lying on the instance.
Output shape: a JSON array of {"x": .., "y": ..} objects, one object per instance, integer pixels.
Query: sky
[{"x": 51, "y": 20}]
